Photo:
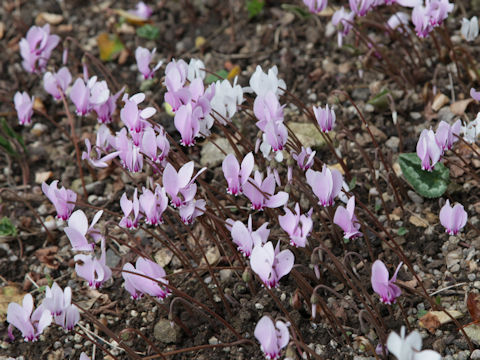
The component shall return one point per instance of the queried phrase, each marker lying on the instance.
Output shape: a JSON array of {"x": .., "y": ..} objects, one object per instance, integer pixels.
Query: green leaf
[
  {"x": 380, "y": 101},
  {"x": 11, "y": 133},
  {"x": 438, "y": 300},
  {"x": 148, "y": 31},
  {"x": 254, "y": 7},
  {"x": 219, "y": 75},
  {"x": 421, "y": 313},
  {"x": 7, "y": 228},
  {"x": 428, "y": 184},
  {"x": 352, "y": 183},
  {"x": 5, "y": 144},
  {"x": 297, "y": 10},
  {"x": 402, "y": 231}
]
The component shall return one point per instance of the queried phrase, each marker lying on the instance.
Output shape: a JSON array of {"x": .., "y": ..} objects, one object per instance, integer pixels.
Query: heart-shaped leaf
[{"x": 428, "y": 184}]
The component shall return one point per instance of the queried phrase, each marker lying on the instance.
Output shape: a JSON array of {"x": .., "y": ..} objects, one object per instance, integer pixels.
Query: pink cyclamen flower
[
  {"x": 305, "y": 158},
  {"x": 152, "y": 143},
  {"x": 142, "y": 10},
  {"x": 447, "y": 135},
  {"x": 326, "y": 185},
  {"x": 24, "y": 106},
  {"x": 298, "y": 226},
  {"x": 383, "y": 286},
  {"x": 144, "y": 57},
  {"x": 59, "y": 303},
  {"x": 475, "y": 94},
  {"x": 343, "y": 21},
  {"x": 153, "y": 204},
  {"x": 180, "y": 182},
  {"x": 94, "y": 271},
  {"x": 271, "y": 264},
  {"x": 261, "y": 192},
  {"x": 80, "y": 94},
  {"x": 187, "y": 122},
  {"x": 131, "y": 211},
  {"x": 453, "y": 219},
  {"x": 63, "y": 199},
  {"x": 100, "y": 162},
  {"x": 272, "y": 337},
  {"x": 361, "y": 7},
  {"x": 37, "y": 47},
  {"x": 438, "y": 11},
  {"x": 191, "y": 210},
  {"x": 78, "y": 229},
  {"x": 235, "y": 174},
  {"x": 267, "y": 109},
  {"x": 408, "y": 348},
  {"x": 106, "y": 110},
  {"x": 346, "y": 219},
  {"x": 315, "y": 6},
  {"x": 175, "y": 78},
  {"x": 244, "y": 236},
  {"x": 57, "y": 83},
  {"x": 31, "y": 325},
  {"x": 428, "y": 150},
  {"x": 84, "y": 356},
  {"x": 421, "y": 21},
  {"x": 138, "y": 285},
  {"x": 325, "y": 118}
]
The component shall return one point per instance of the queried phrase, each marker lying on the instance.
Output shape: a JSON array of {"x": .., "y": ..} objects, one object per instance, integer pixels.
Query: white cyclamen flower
[
  {"x": 408, "y": 348},
  {"x": 469, "y": 28}
]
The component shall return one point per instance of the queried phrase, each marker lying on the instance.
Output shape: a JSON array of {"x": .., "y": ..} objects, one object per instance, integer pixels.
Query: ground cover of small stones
[{"x": 308, "y": 59}]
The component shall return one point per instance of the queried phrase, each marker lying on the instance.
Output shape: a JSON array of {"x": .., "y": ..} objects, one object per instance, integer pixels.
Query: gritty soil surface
[{"x": 308, "y": 59}]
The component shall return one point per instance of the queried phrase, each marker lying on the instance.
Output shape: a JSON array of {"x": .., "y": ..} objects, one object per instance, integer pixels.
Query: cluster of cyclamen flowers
[
  {"x": 425, "y": 16},
  {"x": 56, "y": 306}
]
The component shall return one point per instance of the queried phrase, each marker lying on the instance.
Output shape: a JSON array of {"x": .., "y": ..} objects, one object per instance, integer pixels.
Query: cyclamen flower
[
  {"x": 453, "y": 219},
  {"x": 225, "y": 101},
  {"x": 272, "y": 337},
  {"x": 261, "y": 192},
  {"x": 58, "y": 302},
  {"x": 244, "y": 236},
  {"x": 408, "y": 348},
  {"x": 31, "y": 325},
  {"x": 271, "y": 265},
  {"x": 446, "y": 135},
  {"x": 78, "y": 229},
  {"x": 471, "y": 130},
  {"x": 421, "y": 21},
  {"x": 57, "y": 83},
  {"x": 235, "y": 174},
  {"x": 87, "y": 95},
  {"x": 37, "y": 47},
  {"x": 326, "y": 185},
  {"x": 305, "y": 158},
  {"x": 196, "y": 70},
  {"x": 129, "y": 153},
  {"x": 106, "y": 110},
  {"x": 180, "y": 182},
  {"x": 138, "y": 285},
  {"x": 152, "y": 143},
  {"x": 298, "y": 226},
  {"x": 262, "y": 83},
  {"x": 428, "y": 150},
  {"x": 343, "y": 21},
  {"x": 100, "y": 162},
  {"x": 63, "y": 199},
  {"x": 346, "y": 219},
  {"x": 325, "y": 118},
  {"x": 384, "y": 287},
  {"x": 142, "y": 10},
  {"x": 175, "y": 78},
  {"x": 191, "y": 210},
  {"x": 475, "y": 94},
  {"x": 469, "y": 28},
  {"x": 143, "y": 57},
  {"x": 24, "y": 106},
  {"x": 399, "y": 20},
  {"x": 131, "y": 211},
  {"x": 84, "y": 356},
  {"x": 153, "y": 204},
  {"x": 187, "y": 122},
  {"x": 267, "y": 109},
  {"x": 93, "y": 270},
  {"x": 438, "y": 10},
  {"x": 315, "y": 6},
  {"x": 362, "y": 7}
]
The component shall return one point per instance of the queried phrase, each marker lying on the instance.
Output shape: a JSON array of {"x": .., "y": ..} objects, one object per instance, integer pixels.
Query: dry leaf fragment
[
  {"x": 8, "y": 294},
  {"x": 473, "y": 305},
  {"x": 131, "y": 18},
  {"x": 439, "y": 101},
  {"x": 47, "y": 256},
  {"x": 418, "y": 221},
  {"x": 50, "y": 18},
  {"x": 109, "y": 46},
  {"x": 433, "y": 319},
  {"x": 459, "y": 107}
]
